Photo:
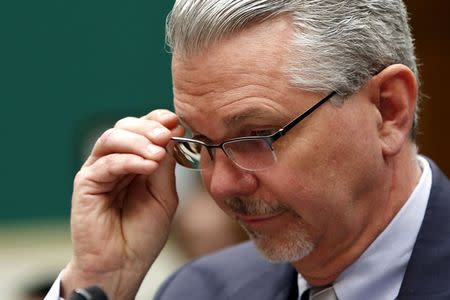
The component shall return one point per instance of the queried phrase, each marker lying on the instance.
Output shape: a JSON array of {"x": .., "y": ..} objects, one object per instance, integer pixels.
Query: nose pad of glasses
[{"x": 211, "y": 153}]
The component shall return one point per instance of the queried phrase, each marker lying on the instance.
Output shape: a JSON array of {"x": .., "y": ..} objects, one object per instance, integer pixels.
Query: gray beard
[{"x": 290, "y": 245}]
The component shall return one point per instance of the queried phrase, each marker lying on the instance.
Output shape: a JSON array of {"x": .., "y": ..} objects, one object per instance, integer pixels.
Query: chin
[{"x": 291, "y": 245}]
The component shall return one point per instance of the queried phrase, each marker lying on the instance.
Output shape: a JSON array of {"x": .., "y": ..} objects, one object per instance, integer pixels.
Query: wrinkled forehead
[
  {"x": 241, "y": 78},
  {"x": 257, "y": 47}
]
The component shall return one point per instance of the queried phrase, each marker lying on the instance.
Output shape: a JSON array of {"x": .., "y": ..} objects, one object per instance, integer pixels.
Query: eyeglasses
[{"x": 251, "y": 153}]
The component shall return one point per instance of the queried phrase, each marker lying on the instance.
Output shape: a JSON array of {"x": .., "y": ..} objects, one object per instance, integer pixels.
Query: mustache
[{"x": 254, "y": 207}]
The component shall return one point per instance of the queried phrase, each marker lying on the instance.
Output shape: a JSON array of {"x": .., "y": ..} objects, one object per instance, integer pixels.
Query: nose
[{"x": 225, "y": 180}]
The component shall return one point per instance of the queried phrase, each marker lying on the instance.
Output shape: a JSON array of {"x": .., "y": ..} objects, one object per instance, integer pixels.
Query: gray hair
[{"x": 338, "y": 44}]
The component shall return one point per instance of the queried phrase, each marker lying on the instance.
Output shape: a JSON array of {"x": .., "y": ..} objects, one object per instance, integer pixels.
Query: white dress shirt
[
  {"x": 378, "y": 273},
  {"x": 53, "y": 293}
]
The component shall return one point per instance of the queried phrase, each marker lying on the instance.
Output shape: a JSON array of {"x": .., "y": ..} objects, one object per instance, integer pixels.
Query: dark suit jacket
[{"x": 241, "y": 273}]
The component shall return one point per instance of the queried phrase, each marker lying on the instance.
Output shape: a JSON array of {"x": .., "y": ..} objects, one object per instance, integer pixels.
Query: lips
[{"x": 259, "y": 220}]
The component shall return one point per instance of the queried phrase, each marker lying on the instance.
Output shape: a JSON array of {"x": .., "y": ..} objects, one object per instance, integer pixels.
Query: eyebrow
[
  {"x": 252, "y": 113},
  {"x": 235, "y": 120}
]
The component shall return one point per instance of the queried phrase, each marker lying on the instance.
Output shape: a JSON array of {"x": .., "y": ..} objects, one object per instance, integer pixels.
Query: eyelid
[
  {"x": 253, "y": 132},
  {"x": 263, "y": 132},
  {"x": 188, "y": 133},
  {"x": 202, "y": 138}
]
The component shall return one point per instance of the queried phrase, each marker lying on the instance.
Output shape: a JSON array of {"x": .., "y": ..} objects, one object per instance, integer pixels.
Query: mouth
[{"x": 259, "y": 220}]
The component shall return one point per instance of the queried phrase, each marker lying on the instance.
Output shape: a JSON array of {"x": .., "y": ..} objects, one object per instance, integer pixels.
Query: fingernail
[
  {"x": 154, "y": 150},
  {"x": 160, "y": 131}
]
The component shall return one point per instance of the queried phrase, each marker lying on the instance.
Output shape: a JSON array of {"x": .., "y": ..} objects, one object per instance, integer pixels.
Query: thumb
[{"x": 161, "y": 184}]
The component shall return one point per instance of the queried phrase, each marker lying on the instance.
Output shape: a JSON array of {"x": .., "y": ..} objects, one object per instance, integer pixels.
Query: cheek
[
  {"x": 325, "y": 211},
  {"x": 325, "y": 171},
  {"x": 296, "y": 190}
]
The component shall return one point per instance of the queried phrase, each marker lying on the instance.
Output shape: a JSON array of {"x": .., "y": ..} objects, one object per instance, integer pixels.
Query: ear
[{"x": 396, "y": 87}]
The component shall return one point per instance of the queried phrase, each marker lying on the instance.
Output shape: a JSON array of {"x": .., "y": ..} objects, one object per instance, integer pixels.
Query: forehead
[{"x": 239, "y": 78}]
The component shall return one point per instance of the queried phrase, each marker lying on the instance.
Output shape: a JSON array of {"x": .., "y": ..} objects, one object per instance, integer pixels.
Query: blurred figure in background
[
  {"x": 201, "y": 227},
  {"x": 37, "y": 290}
]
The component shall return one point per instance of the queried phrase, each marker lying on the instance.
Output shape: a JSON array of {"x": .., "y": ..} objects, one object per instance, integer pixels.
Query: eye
[
  {"x": 201, "y": 138},
  {"x": 191, "y": 135}
]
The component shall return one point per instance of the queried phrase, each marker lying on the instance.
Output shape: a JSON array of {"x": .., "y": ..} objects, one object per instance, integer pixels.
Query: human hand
[{"x": 123, "y": 202}]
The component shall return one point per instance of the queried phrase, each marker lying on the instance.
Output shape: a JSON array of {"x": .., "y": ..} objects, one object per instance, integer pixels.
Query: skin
[
  {"x": 352, "y": 168},
  {"x": 346, "y": 170},
  {"x": 123, "y": 202}
]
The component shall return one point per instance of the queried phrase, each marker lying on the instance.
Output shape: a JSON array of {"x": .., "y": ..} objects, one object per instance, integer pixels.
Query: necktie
[{"x": 322, "y": 293}]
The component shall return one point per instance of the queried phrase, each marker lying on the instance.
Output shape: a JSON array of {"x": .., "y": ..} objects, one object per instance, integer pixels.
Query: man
[{"x": 337, "y": 199}]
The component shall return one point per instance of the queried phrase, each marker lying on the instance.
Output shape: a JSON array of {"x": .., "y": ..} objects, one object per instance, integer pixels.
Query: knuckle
[
  {"x": 106, "y": 136},
  {"x": 157, "y": 113},
  {"x": 120, "y": 163},
  {"x": 80, "y": 176},
  {"x": 109, "y": 163},
  {"x": 123, "y": 122},
  {"x": 153, "y": 123},
  {"x": 130, "y": 160},
  {"x": 110, "y": 160}
]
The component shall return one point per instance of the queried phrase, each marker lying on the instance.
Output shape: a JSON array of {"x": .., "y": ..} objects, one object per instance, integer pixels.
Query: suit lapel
[
  {"x": 428, "y": 271},
  {"x": 277, "y": 283}
]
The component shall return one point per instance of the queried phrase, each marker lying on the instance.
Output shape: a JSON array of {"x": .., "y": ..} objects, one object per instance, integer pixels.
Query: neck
[{"x": 400, "y": 176}]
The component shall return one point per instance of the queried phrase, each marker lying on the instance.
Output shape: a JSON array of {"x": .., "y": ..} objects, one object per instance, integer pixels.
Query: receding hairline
[
  {"x": 201, "y": 49},
  {"x": 185, "y": 40}
]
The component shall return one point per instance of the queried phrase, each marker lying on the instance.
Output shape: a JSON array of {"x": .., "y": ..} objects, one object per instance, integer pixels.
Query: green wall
[{"x": 69, "y": 69}]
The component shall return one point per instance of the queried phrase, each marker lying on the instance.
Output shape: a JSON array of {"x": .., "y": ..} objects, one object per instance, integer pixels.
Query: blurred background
[{"x": 69, "y": 70}]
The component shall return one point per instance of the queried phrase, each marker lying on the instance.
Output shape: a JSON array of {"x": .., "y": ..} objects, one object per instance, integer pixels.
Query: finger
[
  {"x": 122, "y": 141},
  {"x": 111, "y": 168},
  {"x": 178, "y": 131},
  {"x": 162, "y": 185},
  {"x": 163, "y": 116},
  {"x": 153, "y": 130}
]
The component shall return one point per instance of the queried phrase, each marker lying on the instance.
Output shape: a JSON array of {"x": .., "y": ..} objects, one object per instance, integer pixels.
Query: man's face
[{"x": 316, "y": 199}]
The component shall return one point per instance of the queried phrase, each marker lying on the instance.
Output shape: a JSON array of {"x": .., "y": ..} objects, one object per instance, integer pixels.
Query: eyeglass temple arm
[{"x": 300, "y": 118}]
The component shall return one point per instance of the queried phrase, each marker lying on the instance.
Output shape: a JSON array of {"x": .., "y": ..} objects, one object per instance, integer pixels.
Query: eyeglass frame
[{"x": 269, "y": 139}]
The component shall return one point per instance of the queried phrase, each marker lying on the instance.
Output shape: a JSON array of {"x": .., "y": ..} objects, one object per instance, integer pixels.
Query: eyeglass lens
[{"x": 253, "y": 154}]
